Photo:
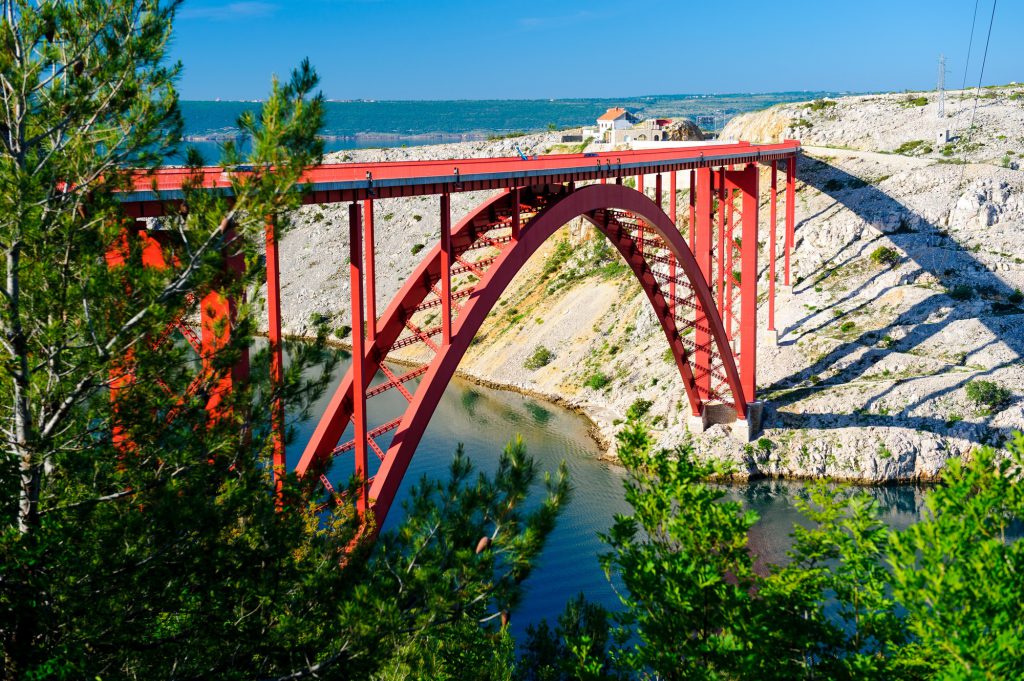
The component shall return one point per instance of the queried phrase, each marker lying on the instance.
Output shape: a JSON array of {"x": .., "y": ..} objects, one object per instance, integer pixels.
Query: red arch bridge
[{"x": 701, "y": 279}]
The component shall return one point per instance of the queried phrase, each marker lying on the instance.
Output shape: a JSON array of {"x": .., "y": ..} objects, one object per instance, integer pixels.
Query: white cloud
[{"x": 230, "y": 11}]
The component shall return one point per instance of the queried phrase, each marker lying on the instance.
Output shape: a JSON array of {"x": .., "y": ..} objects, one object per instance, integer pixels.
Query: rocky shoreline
[{"x": 868, "y": 381}]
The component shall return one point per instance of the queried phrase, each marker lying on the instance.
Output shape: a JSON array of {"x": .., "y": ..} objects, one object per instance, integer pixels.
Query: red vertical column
[
  {"x": 355, "y": 278},
  {"x": 773, "y": 220},
  {"x": 702, "y": 252},
  {"x": 446, "y": 269},
  {"x": 640, "y": 182},
  {"x": 122, "y": 374},
  {"x": 730, "y": 248},
  {"x": 217, "y": 315},
  {"x": 276, "y": 356},
  {"x": 790, "y": 212},
  {"x": 748, "y": 284},
  {"x": 371, "y": 293},
  {"x": 657, "y": 190},
  {"x": 693, "y": 206},
  {"x": 516, "y": 218},
  {"x": 721, "y": 241},
  {"x": 672, "y": 213}
]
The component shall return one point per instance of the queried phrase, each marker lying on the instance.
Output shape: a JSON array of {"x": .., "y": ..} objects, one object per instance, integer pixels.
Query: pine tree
[{"x": 140, "y": 534}]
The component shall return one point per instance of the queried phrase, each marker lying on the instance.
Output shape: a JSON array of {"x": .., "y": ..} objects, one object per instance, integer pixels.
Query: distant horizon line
[{"x": 371, "y": 100}]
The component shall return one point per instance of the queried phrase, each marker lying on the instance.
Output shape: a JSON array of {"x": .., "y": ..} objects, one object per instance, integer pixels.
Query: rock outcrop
[{"x": 683, "y": 130}]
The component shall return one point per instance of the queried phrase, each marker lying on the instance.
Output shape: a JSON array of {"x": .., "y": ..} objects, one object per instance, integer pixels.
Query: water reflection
[{"x": 484, "y": 420}]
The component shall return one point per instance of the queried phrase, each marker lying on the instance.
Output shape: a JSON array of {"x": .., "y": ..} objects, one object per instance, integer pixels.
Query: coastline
[{"x": 598, "y": 437}]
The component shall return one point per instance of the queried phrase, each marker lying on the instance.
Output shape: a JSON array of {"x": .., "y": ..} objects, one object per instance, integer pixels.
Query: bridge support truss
[
  {"x": 701, "y": 280},
  {"x": 445, "y": 300}
]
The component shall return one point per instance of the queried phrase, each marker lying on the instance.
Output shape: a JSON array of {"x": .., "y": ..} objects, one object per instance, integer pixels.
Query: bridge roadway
[{"x": 344, "y": 182}]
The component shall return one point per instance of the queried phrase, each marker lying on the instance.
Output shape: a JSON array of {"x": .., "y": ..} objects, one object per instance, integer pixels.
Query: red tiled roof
[{"x": 612, "y": 114}]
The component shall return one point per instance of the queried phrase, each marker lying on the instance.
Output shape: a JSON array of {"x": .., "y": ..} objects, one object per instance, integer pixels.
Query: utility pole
[{"x": 942, "y": 86}]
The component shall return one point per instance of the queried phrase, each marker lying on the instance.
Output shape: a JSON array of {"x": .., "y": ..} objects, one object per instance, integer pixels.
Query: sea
[{"x": 361, "y": 124}]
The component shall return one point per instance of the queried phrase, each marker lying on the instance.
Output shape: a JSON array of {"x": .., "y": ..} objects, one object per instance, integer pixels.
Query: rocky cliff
[{"x": 907, "y": 258}]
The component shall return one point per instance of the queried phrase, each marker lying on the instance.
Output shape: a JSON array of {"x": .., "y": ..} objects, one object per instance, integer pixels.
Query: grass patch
[
  {"x": 913, "y": 148},
  {"x": 541, "y": 357},
  {"x": 911, "y": 102},
  {"x": 821, "y": 105}
]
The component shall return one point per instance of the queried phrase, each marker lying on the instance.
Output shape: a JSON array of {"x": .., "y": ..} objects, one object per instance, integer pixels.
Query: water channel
[{"x": 485, "y": 419}]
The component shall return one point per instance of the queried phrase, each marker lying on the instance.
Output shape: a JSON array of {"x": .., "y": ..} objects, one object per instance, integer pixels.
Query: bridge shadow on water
[{"x": 934, "y": 253}]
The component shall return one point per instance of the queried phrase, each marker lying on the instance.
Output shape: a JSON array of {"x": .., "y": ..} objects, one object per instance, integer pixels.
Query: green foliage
[
  {"x": 541, "y": 357},
  {"x": 579, "y": 647},
  {"x": 885, "y": 255},
  {"x": 416, "y": 248},
  {"x": 961, "y": 292},
  {"x": 638, "y": 409},
  {"x": 821, "y": 105},
  {"x": 911, "y": 102},
  {"x": 343, "y": 331},
  {"x": 561, "y": 254},
  {"x": 457, "y": 561},
  {"x": 141, "y": 537},
  {"x": 597, "y": 380},
  {"x": 987, "y": 396},
  {"x": 913, "y": 148},
  {"x": 847, "y": 326},
  {"x": 939, "y": 599},
  {"x": 1016, "y": 297}
]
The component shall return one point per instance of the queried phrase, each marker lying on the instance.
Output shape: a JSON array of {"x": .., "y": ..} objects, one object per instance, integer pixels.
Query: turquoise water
[
  {"x": 484, "y": 419},
  {"x": 361, "y": 124}
]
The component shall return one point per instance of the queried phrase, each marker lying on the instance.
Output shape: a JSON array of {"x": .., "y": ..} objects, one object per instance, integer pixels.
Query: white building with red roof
[{"x": 614, "y": 119}]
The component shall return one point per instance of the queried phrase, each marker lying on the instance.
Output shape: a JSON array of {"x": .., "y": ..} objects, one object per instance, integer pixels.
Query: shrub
[
  {"x": 821, "y": 104},
  {"x": 639, "y": 407},
  {"x": 884, "y": 255},
  {"x": 961, "y": 292},
  {"x": 913, "y": 148},
  {"x": 915, "y": 101},
  {"x": 597, "y": 380},
  {"x": 343, "y": 331},
  {"x": 988, "y": 396},
  {"x": 541, "y": 357},
  {"x": 1017, "y": 297},
  {"x": 416, "y": 248},
  {"x": 846, "y": 327}
]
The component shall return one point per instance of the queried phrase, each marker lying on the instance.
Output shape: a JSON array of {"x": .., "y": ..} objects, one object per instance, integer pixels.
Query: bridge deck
[{"x": 340, "y": 182}]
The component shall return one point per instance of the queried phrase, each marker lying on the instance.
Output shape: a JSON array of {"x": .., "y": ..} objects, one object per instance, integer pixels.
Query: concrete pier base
[
  {"x": 745, "y": 430},
  {"x": 771, "y": 337},
  {"x": 697, "y": 424}
]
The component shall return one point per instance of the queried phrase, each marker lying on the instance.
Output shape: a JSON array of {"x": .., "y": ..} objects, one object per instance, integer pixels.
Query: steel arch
[{"x": 597, "y": 203}]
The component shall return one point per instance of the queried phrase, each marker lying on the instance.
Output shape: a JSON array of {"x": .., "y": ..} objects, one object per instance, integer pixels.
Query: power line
[
  {"x": 977, "y": 92},
  {"x": 970, "y": 45}
]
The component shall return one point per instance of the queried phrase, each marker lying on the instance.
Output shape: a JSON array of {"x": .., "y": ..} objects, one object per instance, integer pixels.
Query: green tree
[
  {"x": 939, "y": 599},
  {"x": 140, "y": 537}
]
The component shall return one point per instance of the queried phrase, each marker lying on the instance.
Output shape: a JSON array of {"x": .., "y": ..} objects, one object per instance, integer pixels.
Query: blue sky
[{"x": 480, "y": 49}]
